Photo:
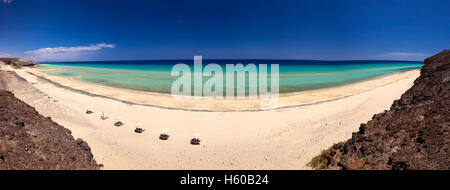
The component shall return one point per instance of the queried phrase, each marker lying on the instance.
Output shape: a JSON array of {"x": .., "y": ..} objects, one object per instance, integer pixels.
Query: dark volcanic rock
[
  {"x": 83, "y": 144},
  {"x": 17, "y": 62},
  {"x": 413, "y": 134},
  {"x": 30, "y": 141}
]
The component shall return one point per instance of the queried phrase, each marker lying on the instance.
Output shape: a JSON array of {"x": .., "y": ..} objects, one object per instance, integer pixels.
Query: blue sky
[{"x": 74, "y": 30}]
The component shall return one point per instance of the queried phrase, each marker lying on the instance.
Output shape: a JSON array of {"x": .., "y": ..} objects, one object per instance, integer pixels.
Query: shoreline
[
  {"x": 411, "y": 135},
  {"x": 205, "y": 104},
  {"x": 273, "y": 139},
  {"x": 43, "y": 74}
]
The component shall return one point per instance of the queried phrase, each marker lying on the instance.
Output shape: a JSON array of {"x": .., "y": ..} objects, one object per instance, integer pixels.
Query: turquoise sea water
[{"x": 295, "y": 75}]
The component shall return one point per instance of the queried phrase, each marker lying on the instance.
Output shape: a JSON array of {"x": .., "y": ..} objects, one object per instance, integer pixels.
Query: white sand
[{"x": 279, "y": 139}]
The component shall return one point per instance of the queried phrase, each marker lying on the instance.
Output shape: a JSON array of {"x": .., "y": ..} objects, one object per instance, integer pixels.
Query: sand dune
[{"x": 285, "y": 138}]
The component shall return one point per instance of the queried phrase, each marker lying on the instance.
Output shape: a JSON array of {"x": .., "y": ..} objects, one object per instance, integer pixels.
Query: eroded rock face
[
  {"x": 413, "y": 134},
  {"x": 17, "y": 62},
  {"x": 29, "y": 140}
]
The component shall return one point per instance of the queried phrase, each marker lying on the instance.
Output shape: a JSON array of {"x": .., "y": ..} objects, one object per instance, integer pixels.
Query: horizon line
[{"x": 230, "y": 59}]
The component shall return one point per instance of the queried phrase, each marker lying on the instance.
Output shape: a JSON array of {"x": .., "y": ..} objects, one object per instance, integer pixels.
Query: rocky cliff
[
  {"x": 17, "y": 62},
  {"x": 29, "y": 140},
  {"x": 413, "y": 134}
]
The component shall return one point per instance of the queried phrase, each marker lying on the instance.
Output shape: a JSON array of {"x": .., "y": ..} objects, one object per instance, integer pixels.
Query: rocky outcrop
[
  {"x": 413, "y": 134},
  {"x": 29, "y": 140},
  {"x": 17, "y": 62}
]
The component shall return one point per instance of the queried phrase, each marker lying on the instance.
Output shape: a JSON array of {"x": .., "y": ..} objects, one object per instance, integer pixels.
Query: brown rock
[
  {"x": 34, "y": 142},
  {"x": 355, "y": 165},
  {"x": 413, "y": 134},
  {"x": 17, "y": 62}
]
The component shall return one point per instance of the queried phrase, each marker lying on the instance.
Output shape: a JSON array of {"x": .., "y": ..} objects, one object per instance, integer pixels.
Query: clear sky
[{"x": 174, "y": 29}]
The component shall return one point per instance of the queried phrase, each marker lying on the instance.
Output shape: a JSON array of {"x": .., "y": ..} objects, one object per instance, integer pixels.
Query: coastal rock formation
[
  {"x": 29, "y": 140},
  {"x": 17, "y": 62},
  {"x": 413, "y": 134}
]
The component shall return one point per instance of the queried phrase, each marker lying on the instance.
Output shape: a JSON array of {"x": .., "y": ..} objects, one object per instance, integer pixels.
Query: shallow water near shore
[{"x": 294, "y": 76}]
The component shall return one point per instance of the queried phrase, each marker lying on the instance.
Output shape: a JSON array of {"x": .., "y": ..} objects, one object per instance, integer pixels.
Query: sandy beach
[{"x": 234, "y": 134}]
